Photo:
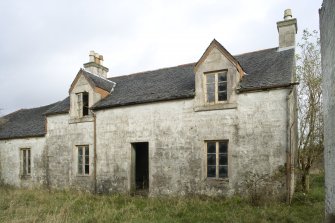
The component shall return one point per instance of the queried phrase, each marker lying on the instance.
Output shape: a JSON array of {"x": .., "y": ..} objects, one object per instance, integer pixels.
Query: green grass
[{"x": 18, "y": 205}]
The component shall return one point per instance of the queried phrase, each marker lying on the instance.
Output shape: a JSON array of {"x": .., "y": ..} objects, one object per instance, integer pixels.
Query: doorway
[{"x": 140, "y": 163}]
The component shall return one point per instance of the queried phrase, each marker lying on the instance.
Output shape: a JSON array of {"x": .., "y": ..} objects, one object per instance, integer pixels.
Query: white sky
[{"x": 43, "y": 44}]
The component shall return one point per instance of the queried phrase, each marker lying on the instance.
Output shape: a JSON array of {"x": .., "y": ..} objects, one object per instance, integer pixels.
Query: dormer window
[
  {"x": 216, "y": 86},
  {"x": 82, "y": 104}
]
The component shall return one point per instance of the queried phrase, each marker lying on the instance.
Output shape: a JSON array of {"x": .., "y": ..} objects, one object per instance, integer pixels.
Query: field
[{"x": 18, "y": 205}]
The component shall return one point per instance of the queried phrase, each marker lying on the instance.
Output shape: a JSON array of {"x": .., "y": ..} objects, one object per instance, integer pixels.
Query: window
[
  {"x": 217, "y": 159},
  {"x": 83, "y": 160},
  {"x": 82, "y": 104},
  {"x": 25, "y": 162},
  {"x": 85, "y": 103},
  {"x": 216, "y": 86}
]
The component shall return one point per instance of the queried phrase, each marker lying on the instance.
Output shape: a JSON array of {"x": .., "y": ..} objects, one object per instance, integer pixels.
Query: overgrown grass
[{"x": 18, "y": 205}]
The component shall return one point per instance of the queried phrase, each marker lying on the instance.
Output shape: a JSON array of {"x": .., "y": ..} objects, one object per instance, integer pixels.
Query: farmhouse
[{"x": 198, "y": 128}]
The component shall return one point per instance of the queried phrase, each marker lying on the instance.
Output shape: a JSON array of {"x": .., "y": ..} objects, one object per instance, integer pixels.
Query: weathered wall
[
  {"x": 61, "y": 140},
  {"x": 65, "y": 133},
  {"x": 10, "y": 162},
  {"x": 327, "y": 31},
  {"x": 256, "y": 130}
]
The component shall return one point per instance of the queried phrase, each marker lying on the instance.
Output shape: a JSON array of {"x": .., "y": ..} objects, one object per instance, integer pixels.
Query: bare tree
[{"x": 310, "y": 146}]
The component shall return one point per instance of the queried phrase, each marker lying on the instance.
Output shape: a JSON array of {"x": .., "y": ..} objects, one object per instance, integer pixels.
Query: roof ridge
[
  {"x": 21, "y": 109},
  {"x": 164, "y": 68},
  {"x": 186, "y": 64},
  {"x": 25, "y": 109},
  {"x": 256, "y": 51}
]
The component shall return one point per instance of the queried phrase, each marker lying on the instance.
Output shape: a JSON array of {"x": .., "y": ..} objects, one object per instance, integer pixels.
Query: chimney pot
[
  {"x": 95, "y": 64},
  {"x": 91, "y": 55},
  {"x": 287, "y": 14},
  {"x": 96, "y": 58}
]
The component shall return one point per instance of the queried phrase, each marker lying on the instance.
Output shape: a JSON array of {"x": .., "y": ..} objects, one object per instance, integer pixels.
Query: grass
[{"x": 18, "y": 205}]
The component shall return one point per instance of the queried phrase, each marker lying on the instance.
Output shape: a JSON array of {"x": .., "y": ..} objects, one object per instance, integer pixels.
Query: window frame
[
  {"x": 25, "y": 154},
  {"x": 216, "y": 86},
  {"x": 83, "y": 105},
  {"x": 217, "y": 159},
  {"x": 82, "y": 163}
]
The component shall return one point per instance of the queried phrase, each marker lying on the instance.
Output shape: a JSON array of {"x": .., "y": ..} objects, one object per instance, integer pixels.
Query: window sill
[
  {"x": 88, "y": 118},
  {"x": 79, "y": 175},
  {"x": 217, "y": 182},
  {"x": 25, "y": 177},
  {"x": 221, "y": 106}
]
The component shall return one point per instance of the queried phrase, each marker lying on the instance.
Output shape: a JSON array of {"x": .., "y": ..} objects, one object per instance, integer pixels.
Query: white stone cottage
[{"x": 198, "y": 128}]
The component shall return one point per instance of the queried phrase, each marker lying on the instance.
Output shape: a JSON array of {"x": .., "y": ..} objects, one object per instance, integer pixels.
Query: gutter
[
  {"x": 23, "y": 137},
  {"x": 95, "y": 151},
  {"x": 142, "y": 102},
  {"x": 265, "y": 88},
  {"x": 289, "y": 148}
]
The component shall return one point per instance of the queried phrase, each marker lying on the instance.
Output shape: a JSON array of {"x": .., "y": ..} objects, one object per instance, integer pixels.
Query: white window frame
[
  {"x": 216, "y": 86},
  {"x": 80, "y": 104},
  {"x": 217, "y": 159},
  {"x": 82, "y": 163}
]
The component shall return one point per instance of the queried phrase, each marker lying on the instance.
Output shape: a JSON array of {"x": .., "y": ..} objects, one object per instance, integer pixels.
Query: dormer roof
[
  {"x": 231, "y": 58},
  {"x": 94, "y": 80}
]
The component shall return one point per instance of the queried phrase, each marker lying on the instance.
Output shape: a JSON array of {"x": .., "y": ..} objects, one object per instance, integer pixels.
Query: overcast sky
[{"x": 43, "y": 44}]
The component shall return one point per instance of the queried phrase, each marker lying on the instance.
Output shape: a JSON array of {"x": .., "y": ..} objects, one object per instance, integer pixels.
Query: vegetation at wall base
[{"x": 20, "y": 205}]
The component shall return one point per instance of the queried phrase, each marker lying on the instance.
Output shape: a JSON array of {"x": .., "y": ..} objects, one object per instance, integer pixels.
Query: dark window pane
[
  {"x": 80, "y": 169},
  {"x": 211, "y": 171},
  {"x": 210, "y": 78},
  {"x": 222, "y": 76},
  {"x": 28, "y": 167},
  {"x": 223, "y": 96},
  {"x": 211, "y": 159},
  {"x": 87, "y": 169},
  {"x": 80, "y": 160},
  {"x": 211, "y": 147},
  {"x": 86, "y": 159},
  {"x": 223, "y": 159},
  {"x": 86, "y": 150},
  {"x": 24, "y": 163},
  {"x": 223, "y": 147},
  {"x": 222, "y": 86},
  {"x": 223, "y": 171},
  {"x": 85, "y": 103}
]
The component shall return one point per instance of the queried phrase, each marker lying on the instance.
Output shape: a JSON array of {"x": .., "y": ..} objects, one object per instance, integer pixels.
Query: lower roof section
[{"x": 24, "y": 123}]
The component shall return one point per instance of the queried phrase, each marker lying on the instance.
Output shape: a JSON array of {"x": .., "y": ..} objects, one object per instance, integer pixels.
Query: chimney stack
[
  {"x": 95, "y": 65},
  {"x": 287, "y": 30}
]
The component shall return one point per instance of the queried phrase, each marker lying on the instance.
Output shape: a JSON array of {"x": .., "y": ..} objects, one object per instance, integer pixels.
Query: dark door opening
[{"x": 141, "y": 151}]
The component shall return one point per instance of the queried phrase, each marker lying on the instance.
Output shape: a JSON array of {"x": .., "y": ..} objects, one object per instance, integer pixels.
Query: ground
[{"x": 18, "y": 205}]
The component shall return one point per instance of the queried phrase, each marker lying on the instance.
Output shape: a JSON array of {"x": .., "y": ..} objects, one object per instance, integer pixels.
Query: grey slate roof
[
  {"x": 24, "y": 123},
  {"x": 59, "y": 107},
  {"x": 265, "y": 69},
  {"x": 163, "y": 84},
  {"x": 100, "y": 82}
]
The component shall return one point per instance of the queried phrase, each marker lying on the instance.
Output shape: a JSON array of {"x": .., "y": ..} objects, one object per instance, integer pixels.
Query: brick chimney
[
  {"x": 287, "y": 30},
  {"x": 95, "y": 65}
]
